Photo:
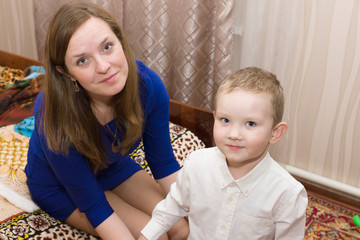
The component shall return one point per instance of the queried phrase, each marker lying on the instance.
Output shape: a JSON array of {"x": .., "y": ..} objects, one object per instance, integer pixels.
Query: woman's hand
[
  {"x": 114, "y": 228},
  {"x": 142, "y": 237}
]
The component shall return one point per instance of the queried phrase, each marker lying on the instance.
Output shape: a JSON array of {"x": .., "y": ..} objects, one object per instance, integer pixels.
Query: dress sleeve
[
  {"x": 156, "y": 136},
  {"x": 81, "y": 184},
  {"x": 74, "y": 173}
]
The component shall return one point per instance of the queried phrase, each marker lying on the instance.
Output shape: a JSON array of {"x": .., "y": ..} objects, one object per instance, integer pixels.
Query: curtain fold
[{"x": 188, "y": 43}]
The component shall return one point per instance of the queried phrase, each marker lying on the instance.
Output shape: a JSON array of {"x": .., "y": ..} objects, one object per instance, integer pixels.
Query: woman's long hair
[{"x": 69, "y": 120}]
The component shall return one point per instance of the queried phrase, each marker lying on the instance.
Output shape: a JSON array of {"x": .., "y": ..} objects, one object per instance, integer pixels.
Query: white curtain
[
  {"x": 17, "y": 27},
  {"x": 313, "y": 46}
]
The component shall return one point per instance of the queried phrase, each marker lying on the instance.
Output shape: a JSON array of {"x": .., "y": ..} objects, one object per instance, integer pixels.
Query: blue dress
[{"x": 61, "y": 183}]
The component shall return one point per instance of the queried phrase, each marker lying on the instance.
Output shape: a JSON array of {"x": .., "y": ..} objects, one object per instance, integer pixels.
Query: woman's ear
[
  {"x": 61, "y": 70},
  {"x": 278, "y": 132}
]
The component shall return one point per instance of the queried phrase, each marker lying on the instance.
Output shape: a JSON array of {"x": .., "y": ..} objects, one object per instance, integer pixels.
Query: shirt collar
[{"x": 249, "y": 181}]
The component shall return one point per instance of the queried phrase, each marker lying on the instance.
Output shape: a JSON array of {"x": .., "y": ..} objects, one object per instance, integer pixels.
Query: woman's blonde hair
[
  {"x": 69, "y": 120},
  {"x": 256, "y": 80}
]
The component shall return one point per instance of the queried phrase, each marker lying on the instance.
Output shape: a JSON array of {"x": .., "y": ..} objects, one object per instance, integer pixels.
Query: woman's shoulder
[
  {"x": 148, "y": 76},
  {"x": 151, "y": 85}
]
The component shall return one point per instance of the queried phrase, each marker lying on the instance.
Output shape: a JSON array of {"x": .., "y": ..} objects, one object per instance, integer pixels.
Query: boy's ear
[{"x": 278, "y": 132}]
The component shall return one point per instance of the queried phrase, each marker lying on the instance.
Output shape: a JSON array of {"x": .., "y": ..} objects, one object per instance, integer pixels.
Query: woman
[{"x": 97, "y": 104}]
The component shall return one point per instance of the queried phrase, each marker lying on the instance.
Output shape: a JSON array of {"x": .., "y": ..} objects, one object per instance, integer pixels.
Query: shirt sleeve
[
  {"x": 174, "y": 207},
  {"x": 293, "y": 217},
  {"x": 156, "y": 136}
]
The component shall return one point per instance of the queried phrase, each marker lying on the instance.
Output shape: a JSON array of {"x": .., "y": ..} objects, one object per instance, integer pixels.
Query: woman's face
[{"x": 95, "y": 58}]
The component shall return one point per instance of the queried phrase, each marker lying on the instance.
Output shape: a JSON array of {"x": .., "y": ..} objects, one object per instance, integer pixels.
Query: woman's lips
[{"x": 110, "y": 78}]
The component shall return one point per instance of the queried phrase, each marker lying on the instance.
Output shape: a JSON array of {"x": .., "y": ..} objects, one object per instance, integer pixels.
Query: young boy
[{"x": 236, "y": 190}]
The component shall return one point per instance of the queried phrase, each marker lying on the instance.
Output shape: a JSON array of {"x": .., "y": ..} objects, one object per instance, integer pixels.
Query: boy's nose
[{"x": 235, "y": 132}]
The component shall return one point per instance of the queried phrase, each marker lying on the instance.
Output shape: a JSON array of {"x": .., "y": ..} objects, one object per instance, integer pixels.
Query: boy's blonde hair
[{"x": 257, "y": 80}]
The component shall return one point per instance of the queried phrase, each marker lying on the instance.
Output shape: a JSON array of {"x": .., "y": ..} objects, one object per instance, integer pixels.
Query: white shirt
[{"x": 267, "y": 203}]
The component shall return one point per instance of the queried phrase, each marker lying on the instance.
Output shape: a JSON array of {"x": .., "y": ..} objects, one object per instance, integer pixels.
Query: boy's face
[{"x": 243, "y": 127}]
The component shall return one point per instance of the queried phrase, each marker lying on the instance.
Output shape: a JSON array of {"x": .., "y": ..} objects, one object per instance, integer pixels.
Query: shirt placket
[{"x": 227, "y": 210}]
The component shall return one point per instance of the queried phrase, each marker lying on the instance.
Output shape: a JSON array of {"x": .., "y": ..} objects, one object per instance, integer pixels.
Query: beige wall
[{"x": 314, "y": 48}]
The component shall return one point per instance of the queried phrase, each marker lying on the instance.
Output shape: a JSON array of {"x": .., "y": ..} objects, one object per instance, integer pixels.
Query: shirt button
[
  {"x": 230, "y": 198},
  {"x": 223, "y": 226},
  {"x": 234, "y": 184},
  {"x": 246, "y": 191}
]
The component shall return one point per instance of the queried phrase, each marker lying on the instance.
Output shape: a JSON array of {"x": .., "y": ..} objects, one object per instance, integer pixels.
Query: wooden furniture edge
[
  {"x": 16, "y": 61},
  {"x": 199, "y": 121}
]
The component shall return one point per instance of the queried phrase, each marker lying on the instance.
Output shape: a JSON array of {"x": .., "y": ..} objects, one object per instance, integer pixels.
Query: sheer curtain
[
  {"x": 17, "y": 28},
  {"x": 313, "y": 47},
  {"x": 188, "y": 43}
]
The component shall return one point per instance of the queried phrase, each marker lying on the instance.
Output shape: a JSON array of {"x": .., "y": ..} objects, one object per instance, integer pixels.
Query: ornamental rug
[{"x": 326, "y": 220}]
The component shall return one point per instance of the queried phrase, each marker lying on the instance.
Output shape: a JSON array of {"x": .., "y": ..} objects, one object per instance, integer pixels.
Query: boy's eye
[
  {"x": 250, "y": 124},
  {"x": 107, "y": 47},
  {"x": 224, "y": 120}
]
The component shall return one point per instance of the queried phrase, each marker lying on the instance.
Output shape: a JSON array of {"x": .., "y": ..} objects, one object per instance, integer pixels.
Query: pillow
[{"x": 183, "y": 142}]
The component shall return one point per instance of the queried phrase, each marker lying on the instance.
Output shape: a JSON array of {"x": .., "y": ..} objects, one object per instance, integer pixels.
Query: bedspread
[{"x": 17, "y": 94}]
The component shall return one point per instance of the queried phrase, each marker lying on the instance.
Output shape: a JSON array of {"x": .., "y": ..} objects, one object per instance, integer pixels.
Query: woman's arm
[
  {"x": 113, "y": 228},
  {"x": 166, "y": 182}
]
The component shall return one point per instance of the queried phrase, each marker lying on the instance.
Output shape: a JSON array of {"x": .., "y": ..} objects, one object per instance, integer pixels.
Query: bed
[{"x": 190, "y": 129}]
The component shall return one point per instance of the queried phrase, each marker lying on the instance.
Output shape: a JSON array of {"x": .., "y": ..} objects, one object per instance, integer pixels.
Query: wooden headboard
[{"x": 199, "y": 121}]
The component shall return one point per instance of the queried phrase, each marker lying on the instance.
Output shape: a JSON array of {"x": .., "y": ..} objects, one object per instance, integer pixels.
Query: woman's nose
[{"x": 102, "y": 66}]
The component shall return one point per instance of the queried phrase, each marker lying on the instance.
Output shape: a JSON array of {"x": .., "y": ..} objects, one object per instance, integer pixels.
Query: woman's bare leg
[
  {"x": 133, "y": 218},
  {"x": 140, "y": 191},
  {"x": 143, "y": 193}
]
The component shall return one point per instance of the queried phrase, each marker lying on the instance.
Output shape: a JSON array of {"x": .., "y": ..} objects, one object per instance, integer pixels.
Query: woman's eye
[
  {"x": 250, "y": 124},
  {"x": 81, "y": 61},
  {"x": 224, "y": 120}
]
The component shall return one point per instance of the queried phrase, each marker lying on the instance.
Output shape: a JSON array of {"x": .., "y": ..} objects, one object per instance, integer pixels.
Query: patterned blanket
[{"x": 17, "y": 94}]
